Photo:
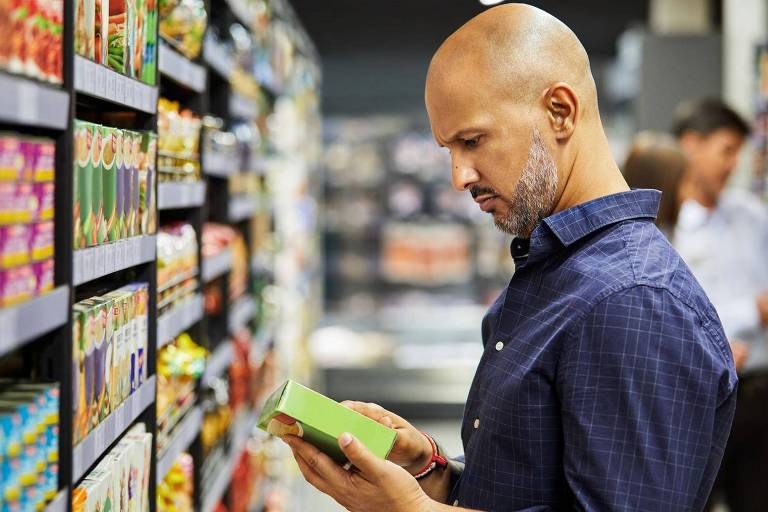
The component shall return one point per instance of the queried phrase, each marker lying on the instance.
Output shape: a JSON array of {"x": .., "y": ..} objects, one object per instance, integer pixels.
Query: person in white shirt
[{"x": 722, "y": 234}]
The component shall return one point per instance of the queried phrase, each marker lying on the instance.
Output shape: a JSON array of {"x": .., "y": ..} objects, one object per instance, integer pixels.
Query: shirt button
[
  {"x": 477, "y": 423},
  {"x": 499, "y": 345},
  {"x": 456, "y": 503}
]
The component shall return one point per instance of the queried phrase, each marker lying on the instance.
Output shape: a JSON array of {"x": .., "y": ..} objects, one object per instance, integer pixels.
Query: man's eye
[{"x": 471, "y": 143}]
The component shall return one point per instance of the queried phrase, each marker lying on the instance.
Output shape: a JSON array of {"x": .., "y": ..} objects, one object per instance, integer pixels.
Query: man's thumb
[{"x": 360, "y": 456}]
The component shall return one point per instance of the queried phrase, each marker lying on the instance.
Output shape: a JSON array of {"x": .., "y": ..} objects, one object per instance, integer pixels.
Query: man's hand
[
  {"x": 740, "y": 352},
  {"x": 762, "y": 308},
  {"x": 373, "y": 484},
  {"x": 411, "y": 449}
]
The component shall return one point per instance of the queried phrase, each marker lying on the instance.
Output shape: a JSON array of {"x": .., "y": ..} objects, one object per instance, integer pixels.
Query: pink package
[
  {"x": 43, "y": 271},
  {"x": 15, "y": 245},
  {"x": 39, "y": 156},
  {"x": 7, "y": 202},
  {"x": 43, "y": 193},
  {"x": 41, "y": 241},
  {"x": 11, "y": 158},
  {"x": 17, "y": 285}
]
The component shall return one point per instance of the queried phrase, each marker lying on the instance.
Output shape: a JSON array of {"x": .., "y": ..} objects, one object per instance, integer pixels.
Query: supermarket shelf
[
  {"x": 181, "y": 70},
  {"x": 241, "y": 312},
  {"x": 216, "y": 164},
  {"x": 31, "y": 103},
  {"x": 176, "y": 280},
  {"x": 179, "y": 319},
  {"x": 95, "y": 262},
  {"x": 184, "y": 435},
  {"x": 29, "y": 320},
  {"x": 101, "y": 82},
  {"x": 242, "y": 207},
  {"x": 214, "y": 266},
  {"x": 180, "y": 195},
  {"x": 261, "y": 264},
  {"x": 219, "y": 361},
  {"x": 217, "y": 57},
  {"x": 92, "y": 448},
  {"x": 240, "y": 434},
  {"x": 240, "y": 106},
  {"x": 240, "y": 9},
  {"x": 58, "y": 503}
]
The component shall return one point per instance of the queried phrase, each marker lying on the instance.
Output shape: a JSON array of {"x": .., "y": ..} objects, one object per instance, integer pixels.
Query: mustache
[{"x": 477, "y": 191}]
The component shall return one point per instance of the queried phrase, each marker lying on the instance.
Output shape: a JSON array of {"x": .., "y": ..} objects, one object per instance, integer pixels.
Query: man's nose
[{"x": 463, "y": 175}]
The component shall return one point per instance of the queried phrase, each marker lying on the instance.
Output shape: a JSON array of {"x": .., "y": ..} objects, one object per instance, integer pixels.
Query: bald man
[{"x": 606, "y": 382}]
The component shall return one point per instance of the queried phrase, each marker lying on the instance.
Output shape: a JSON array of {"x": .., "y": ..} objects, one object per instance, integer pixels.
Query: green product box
[
  {"x": 88, "y": 207},
  {"x": 111, "y": 157},
  {"x": 320, "y": 421},
  {"x": 84, "y": 332},
  {"x": 145, "y": 183}
]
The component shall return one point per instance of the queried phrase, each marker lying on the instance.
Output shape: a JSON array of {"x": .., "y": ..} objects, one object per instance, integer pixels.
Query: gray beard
[{"x": 534, "y": 196}]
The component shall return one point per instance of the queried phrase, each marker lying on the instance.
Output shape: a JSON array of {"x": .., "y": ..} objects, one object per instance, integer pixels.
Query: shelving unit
[{"x": 40, "y": 331}]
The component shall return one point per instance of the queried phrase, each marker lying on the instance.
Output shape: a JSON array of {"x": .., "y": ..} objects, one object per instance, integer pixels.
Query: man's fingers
[
  {"x": 373, "y": 411},
  {"x": 319, "y": 462},
  {"x": 361, "y": 457},
  {"x": 310, "y": 475}
]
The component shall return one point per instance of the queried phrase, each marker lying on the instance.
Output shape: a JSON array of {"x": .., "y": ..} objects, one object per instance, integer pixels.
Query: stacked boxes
[
  {"x": 114, "y": 177},
  {"x": 120, "y": 482},
  {"x": 26, "y": 217},
  {"x": 29, "y": 444},
  {"x": 32, "y": 38},
  {"x": 110, "y": 336},
  {"x": 119, "y": 34}
]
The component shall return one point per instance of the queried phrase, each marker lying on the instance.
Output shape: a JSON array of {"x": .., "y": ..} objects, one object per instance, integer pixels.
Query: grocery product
[
  {"x": 183, "y": 24},
  {"x": 175, "y": 492},
  {"x": 29, "y": 444},
  {"x": 120, "y": 482},
  {"x": 32, "y": 38},
  {"x": 145, "y": 183},
  {"x": 179, "y": 139},
  {"x": 298, "y": 410}
]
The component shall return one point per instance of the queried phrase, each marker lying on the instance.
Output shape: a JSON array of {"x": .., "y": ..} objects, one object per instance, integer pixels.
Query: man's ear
[{"x": 562, "y": 104}]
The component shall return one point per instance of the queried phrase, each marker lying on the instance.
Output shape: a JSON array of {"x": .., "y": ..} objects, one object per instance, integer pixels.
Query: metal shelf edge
[
  {"x": 101, "y": 260},
  {"x": 26, "y": 321},
  {"x": 181, "y": 69},
  {"x": 28, "y": 102},
  {"x": 185, "y": 434},
  {"x": 179, "y": 319},
  {"x": 215, "y": 266},
  {"x": 180, "y": 195}
]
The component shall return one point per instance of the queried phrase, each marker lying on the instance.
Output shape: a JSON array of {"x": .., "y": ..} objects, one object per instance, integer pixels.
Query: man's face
[
  {"x": 497, "y": 154},
  {"x": 712, "y": 159}
]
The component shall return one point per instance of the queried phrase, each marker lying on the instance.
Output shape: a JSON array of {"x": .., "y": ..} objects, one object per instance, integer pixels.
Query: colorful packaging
[
  {"x": 11, "y": 157},
  {"x": 41, "y": 244},
  {"x": 17, "y": 285},
  {"x": 149, "y": 43},
  {"x": 80, "y": 421},
  {"x": 128, "y": 170},
  {"x": 146, "y": 178},
  {"x": 102, "y": 358},
  {"x": 85, "y": 28},
  {"x": 101, "y": 17},
  {"x": 298, "y": 410},
  {"x": 122, "y": 300},
  {"x": 109, "y": 156},
  {"x": 40, "y": 159},
  {"x": 141, "y": 337},
  {"x": 124, "y": 183},
  {"x": 83, "y": 219},
  {"x": 141, "y": 463},
  {"x": 19, "y": 13},
  {"x": 15, "y": 245},
  {"x": 137, "y": 157},
  {"x": 118, "y": 51},
  {"x": 43, "y": 272},
  {"x": 44, "y": 198}
]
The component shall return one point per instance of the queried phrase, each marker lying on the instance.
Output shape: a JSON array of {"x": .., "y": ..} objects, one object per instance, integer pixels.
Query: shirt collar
[{"x": 568, "y": 226}]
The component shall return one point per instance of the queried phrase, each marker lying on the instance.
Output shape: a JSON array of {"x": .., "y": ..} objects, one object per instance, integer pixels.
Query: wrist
[{"x": 422, "y": 460}]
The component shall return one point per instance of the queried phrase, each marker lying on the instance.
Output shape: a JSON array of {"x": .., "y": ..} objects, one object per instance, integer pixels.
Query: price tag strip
[{"x": 95, "y": 262}]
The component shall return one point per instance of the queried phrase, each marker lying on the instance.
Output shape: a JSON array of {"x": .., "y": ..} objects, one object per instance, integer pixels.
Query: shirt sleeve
[{"x": 647, "y": 399}]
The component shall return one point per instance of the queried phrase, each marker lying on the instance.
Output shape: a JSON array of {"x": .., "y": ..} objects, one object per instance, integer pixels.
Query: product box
[
  {"x": 80, "y": 407},
  {"x": 43, "y": 272},
  {"x": 11, "y": 157},
  {"x": 128, "y": 178},
  {"x": 123, "y": 301},
  {"x": 90, "y": 228},
  {"x": 121, "y": 457},
  {"x": 298, "y": 410},
  {"x": 101, "y": 19},
  {"x": 15, "y": 242},
  {"x": 43, "y": 194},
  {"x": 17, "y": 285},
  {"x": 139, "y": 156},
  {"x": 124, "y": 184},
  {"x": 85, "y": 28},
  {"x": 149, "y": 42},
  {"x": 41, "y": 241},
  {"x": 109, "y": 179},
  {"x": 141, "y": 463},
  {"x": 117, "y": 20},
  {"x": 146, "y": 179},
  {"x": 102, "y": 357}
]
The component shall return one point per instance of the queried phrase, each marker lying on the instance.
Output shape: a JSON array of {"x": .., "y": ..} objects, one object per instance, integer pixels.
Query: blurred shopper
[
  {"x": 606, "y": 382},
  {"x": 723, "y": 236},
  {"x": 655, "y": 161}
]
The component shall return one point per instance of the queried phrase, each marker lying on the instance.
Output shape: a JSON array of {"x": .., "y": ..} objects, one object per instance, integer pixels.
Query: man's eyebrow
[{"x": 463, "y": 133}]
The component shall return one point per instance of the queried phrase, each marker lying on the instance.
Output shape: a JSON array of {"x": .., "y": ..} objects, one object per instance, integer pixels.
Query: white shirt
[{"x": 727, "y": 250}]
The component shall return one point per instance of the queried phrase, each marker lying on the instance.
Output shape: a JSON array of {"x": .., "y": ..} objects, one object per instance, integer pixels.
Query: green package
[
  {"x": 320, "y": 421},
  {"x": 97, "y": 188},
  {"x": 111, "y": 156}
]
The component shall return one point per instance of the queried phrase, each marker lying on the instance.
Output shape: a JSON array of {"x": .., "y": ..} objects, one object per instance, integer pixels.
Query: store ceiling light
[{"x": 490, "y": 2}]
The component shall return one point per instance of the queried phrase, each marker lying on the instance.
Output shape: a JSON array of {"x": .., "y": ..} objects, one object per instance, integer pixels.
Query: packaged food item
[
  {"x": 19, "y": 14},
  {"x": 149, "y": 42},
  {"x": 183, "y": 26},
  {"x": 80, "y": 421},
  {"x": 15, "y": 245},
  {"x": 43, "y": 272},
  {"x": 83, "y": 214},
  {"x": 85, "y": 28},
  {"x": 142, "y": 460},
  {"x": 118, "y": 20},
  {"x": 11, "y": 157},
  {"x": 124, "y": 182},
  {"x": 39, "y": 159},
  {"x": 146, "y": 176},
  {"x": 98, "y": 145},
  {"x": 17, "y": 285},
  {"x": 122, "y": 302},
  {"x": 43, "y": 194},
  {"x": 101, "y": 18},
  {"x": 111, "y": 146},
  {"x": 104, "y": 328},
  {"x": 298, "y": 410}
]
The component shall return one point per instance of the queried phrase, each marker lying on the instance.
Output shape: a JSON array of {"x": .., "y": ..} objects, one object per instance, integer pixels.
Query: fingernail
[{"x": 345, "y": 439}]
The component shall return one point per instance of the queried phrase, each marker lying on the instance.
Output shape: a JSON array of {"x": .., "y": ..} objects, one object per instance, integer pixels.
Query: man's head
[
  {"x": 511, "y": 95},
  {"x": 711, "y": 135}
]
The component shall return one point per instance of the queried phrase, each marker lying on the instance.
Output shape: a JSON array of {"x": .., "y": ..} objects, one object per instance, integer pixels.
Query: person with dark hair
[
  {"x": 722, "y": 234},
  {"x": 655, "y": 161}
]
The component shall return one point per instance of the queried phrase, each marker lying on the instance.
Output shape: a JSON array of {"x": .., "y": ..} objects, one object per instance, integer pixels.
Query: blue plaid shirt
[{"x": 606, "y": 382}]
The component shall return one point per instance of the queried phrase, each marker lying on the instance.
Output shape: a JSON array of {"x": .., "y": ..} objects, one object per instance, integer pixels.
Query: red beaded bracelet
[{"x": 435, "y": 461}]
